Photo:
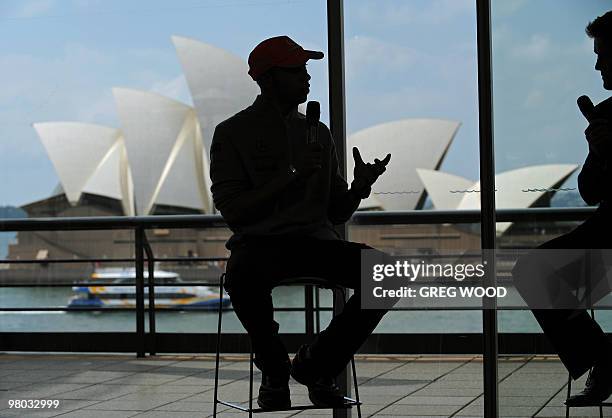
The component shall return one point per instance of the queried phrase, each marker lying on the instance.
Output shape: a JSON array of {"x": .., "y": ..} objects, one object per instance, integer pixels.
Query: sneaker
[
  {"x": 274, "y": 393},
  {"x": 322, "y": 391},
  {"x": 597, "y": 389}
]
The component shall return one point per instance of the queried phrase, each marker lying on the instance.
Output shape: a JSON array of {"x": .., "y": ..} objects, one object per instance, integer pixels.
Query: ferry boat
[{"x": 105, "y": 295}]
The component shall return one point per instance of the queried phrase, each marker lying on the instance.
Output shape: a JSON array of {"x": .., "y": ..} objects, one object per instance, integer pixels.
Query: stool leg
[
  {"x": 218, "y": 345},
  {"x": 600, "y": 406},
  {"x": 356, "y": 387},
  {"x": 317, "y": 310},
  {"x": 354, "y": 371},
  {"x": 251, "y": 384},
  {"x": 569, "y": 393},
  {"x": 569, "y": 384}
]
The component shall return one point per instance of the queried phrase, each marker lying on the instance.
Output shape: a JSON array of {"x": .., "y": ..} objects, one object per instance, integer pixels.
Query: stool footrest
[{"x": 349, "y": 404}]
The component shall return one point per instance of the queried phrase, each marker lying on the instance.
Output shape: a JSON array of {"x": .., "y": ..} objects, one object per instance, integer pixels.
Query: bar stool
[
  {"x": 319, "y": 283},
  {"x": 569, "y": 393}
]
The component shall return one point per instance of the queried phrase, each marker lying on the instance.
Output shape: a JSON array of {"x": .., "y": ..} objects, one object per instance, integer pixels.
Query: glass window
[
  {"x": 142, "y": 85},
  {"x": 161, "y": 63},
  {"x": 542, "y": 62},
  {"x": 411, "y": 90}
]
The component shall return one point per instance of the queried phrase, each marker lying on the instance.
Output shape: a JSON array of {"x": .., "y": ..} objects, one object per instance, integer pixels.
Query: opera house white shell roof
[
  {"x": 445, "y": 190},
  {"x": 158, "y": 131},
  {"x": 218, "y": 81},
  {"x": 220, "y": 87},
  {"x": 88, "y": 158},
  {"x": 522, "y": 187},
  {"x": 162, "y": 155},
  {"x": 519, "y": 188},
  {"x": 65, "y": 142},
  {"x": 159, "y": 155}
]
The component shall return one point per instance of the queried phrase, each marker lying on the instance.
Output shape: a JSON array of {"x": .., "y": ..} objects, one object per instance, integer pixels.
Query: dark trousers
[
  {"x": 254, "y": 269},
  {"x": 576, "y": 337}
]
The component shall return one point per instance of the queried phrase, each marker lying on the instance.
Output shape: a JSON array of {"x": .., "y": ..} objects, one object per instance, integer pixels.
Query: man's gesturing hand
[{"x": 365, "y": 175}]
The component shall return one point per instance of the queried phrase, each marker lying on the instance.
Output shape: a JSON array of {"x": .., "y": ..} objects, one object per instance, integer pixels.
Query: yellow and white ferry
[{"x": 173, "y": 296}]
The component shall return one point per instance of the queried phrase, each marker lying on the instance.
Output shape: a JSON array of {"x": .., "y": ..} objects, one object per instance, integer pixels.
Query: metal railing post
[
  {"x": 151, "y": 285},
  {"x": 140, "y": 319}
]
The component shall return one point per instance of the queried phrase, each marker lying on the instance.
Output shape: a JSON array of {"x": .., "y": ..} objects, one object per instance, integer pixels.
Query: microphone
[
  {"x": 313, "y": 114},
  {"x": 586, "y": 107}
]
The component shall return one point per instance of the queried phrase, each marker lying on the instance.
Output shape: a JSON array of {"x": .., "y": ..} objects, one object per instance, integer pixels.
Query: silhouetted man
[
  {"x": 580, "y": 342},
  {"x": 281, "y": 195}
]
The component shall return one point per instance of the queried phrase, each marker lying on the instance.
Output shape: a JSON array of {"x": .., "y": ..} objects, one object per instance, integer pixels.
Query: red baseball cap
[{"x": 280, "y": 51}]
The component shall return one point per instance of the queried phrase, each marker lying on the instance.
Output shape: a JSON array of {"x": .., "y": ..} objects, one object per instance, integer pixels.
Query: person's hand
[
  {"x": 365, "y": 175},
  {"x": 599, "y": 136},
  {"x": 309, "y": 160}
]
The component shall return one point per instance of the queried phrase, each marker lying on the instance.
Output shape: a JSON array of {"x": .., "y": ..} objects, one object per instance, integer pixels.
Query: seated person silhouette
[
  {"x": 281, "y": 194},
  {"x": 578, "y": 339}
]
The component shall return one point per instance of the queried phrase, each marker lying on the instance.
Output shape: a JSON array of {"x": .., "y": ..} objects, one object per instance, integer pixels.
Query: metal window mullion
[
  {"x": 487, "y": 203},
  {"x": 337, "y": 122}
]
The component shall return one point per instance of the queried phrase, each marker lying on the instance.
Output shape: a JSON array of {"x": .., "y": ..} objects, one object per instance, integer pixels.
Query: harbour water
[{"x": 205, "y": 321}]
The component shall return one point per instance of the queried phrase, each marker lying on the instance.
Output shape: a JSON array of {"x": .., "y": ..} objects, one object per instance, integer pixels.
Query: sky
[{"x": 59, "y": 60}]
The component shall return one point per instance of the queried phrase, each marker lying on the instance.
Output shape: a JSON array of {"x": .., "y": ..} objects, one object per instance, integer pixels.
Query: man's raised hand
[{"x": 366, "y": 174}]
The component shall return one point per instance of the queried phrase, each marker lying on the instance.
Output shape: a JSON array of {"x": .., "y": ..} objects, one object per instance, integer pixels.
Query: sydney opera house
[{"x": 156, "y": 162}]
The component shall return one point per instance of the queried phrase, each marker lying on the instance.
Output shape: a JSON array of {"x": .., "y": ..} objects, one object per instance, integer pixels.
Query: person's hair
[{"x": 601, "y": 27}]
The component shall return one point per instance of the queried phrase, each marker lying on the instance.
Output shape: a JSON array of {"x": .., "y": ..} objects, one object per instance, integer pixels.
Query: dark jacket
[
  {"x": 595, "y": 178},
  {"x": 250, "y": 152}
]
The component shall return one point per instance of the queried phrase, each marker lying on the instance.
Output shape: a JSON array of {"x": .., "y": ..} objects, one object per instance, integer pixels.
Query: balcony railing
[{"x": 151, "y": 341}]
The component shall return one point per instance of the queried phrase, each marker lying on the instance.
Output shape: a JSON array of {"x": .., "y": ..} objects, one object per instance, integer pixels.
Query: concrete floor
[{"x": 166, "y": 386}]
